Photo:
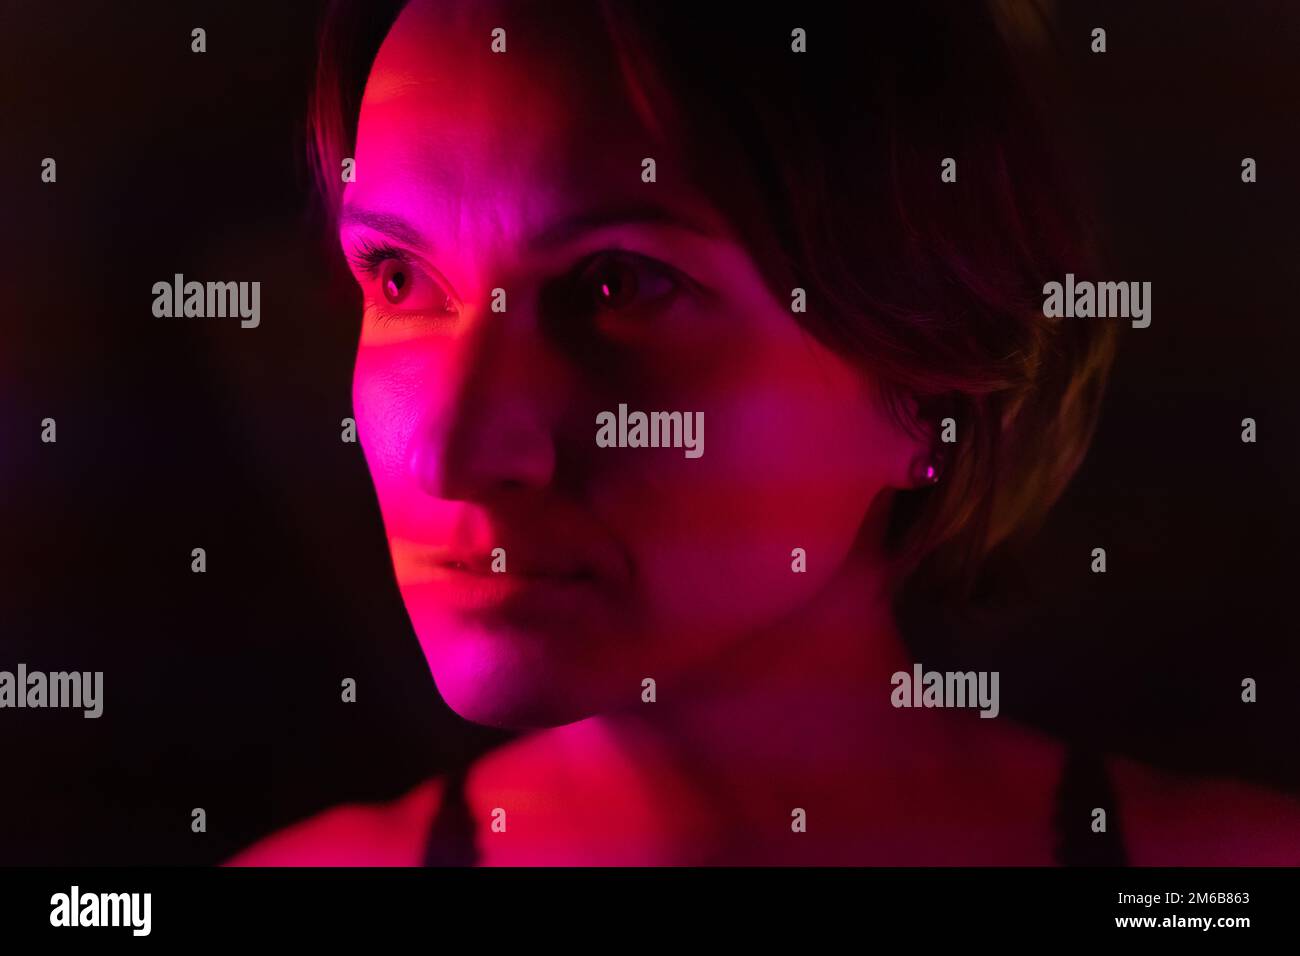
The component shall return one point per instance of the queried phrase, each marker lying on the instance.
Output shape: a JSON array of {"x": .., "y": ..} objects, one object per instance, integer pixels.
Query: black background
[{"x": 222, "y": 689}]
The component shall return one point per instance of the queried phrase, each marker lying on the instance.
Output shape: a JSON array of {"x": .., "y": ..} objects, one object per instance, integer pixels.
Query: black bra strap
[
  {"x": 1084, "y": 786},
  {"x": 451, "y": 835}
]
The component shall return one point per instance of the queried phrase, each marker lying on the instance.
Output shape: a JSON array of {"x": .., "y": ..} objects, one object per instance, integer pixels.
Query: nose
[{"x": 491, "y": 431}]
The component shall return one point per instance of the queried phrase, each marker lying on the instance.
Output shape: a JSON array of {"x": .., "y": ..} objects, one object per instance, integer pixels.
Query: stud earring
[{"x": 924, "y": 470}]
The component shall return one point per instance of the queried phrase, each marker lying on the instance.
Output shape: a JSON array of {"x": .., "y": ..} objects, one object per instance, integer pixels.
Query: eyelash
[{"x": 368, "y": 257}]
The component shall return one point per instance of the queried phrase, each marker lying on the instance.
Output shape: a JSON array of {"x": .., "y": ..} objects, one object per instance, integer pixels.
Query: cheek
[
  {"x": 390, "y": 399},
  {"x": 787, "y": 464}
]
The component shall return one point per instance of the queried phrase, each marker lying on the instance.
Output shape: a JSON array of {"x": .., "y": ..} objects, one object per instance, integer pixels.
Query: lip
[
  {"x": 466, "y": 582},
  {"x": 463, "y": 590}
]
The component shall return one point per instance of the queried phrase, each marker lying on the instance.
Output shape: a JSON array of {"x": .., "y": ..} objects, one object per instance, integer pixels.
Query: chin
[{"x": 506, "y": 680}]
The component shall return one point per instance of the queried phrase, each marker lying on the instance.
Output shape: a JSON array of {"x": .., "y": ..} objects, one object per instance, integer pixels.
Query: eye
[
  {"x": 613, "y": 282},
  {"x": 392, "y": 279}
]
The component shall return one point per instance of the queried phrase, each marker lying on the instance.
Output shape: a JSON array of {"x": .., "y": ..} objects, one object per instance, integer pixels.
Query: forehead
[{"x": 447, "y": 124}]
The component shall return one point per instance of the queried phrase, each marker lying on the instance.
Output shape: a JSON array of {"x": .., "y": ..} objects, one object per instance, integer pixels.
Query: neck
[{"x": 795, "y": 713}]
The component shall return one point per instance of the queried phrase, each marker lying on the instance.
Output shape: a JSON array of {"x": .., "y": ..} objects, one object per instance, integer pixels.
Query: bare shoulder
[
  {"x": 1170, "y": 819},
  {"x": 388, "y": 833}
]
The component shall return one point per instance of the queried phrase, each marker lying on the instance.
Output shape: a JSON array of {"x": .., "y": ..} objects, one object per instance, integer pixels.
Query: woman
[{"x": 564, "y": 216}]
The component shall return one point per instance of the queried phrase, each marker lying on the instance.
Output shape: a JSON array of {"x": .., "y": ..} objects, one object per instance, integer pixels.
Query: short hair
[{"x": 828, "y": 164}]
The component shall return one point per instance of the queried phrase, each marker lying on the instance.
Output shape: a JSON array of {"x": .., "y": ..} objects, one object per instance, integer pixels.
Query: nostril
[{"x": 497, "y": 451}]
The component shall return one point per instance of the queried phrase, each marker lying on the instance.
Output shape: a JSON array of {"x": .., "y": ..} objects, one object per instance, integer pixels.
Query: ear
[{"x": 913, "y": 458}]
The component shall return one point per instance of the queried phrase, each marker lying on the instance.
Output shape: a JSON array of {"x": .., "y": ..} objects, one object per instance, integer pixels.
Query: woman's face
[{"x": 477, "y": 409}]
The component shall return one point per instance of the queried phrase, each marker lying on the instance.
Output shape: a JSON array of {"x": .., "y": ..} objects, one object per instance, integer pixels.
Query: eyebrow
[
  {"x": 389, "y": 224},
  {"x": 403, "y": 231}
]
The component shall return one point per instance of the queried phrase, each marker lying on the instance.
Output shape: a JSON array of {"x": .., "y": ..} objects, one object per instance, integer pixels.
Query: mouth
[
  {"x": 487, "y": 565},
  {"x": 482, "y": 582}
]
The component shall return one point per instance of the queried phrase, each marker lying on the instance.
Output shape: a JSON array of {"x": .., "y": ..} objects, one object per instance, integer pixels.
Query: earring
[{"x": 924, "y": 470}]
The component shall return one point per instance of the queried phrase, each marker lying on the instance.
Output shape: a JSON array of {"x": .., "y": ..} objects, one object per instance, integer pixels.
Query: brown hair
[{"x": 828, "y": 163}]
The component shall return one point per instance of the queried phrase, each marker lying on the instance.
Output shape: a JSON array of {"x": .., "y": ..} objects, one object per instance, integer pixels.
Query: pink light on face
[{"x": 522, "y": 173}]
